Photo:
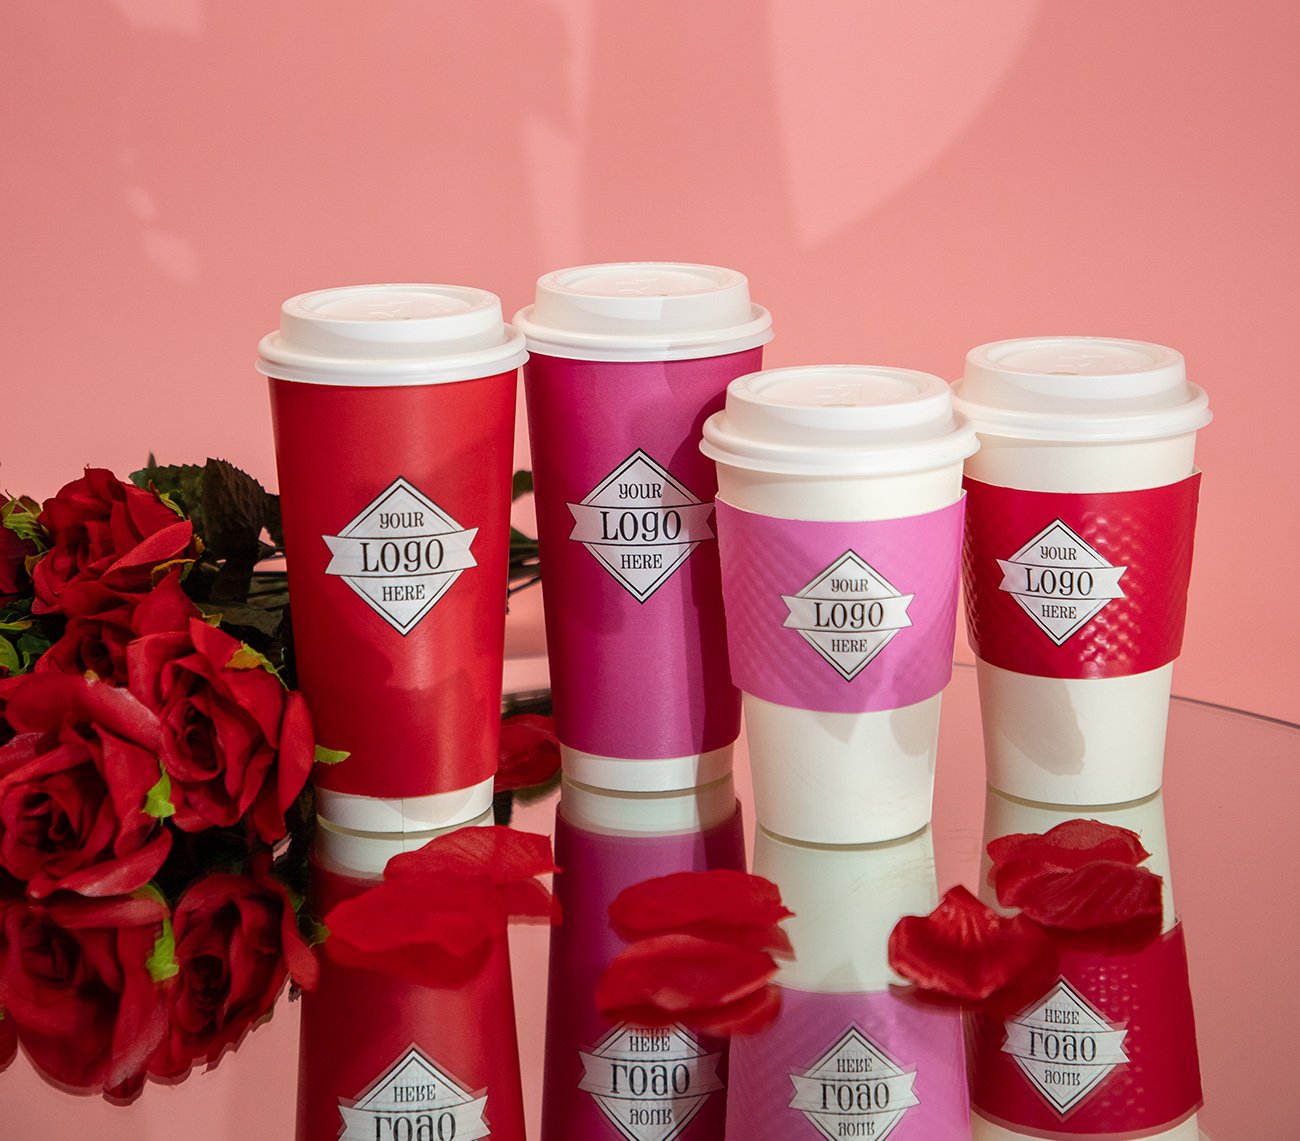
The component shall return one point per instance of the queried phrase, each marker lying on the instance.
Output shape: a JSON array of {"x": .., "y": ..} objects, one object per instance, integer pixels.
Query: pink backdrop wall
[{"x": 900, "y": 181}]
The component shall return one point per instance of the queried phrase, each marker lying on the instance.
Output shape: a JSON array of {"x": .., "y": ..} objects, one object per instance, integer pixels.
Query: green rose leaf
[
  {"x": 180, "y": 486},
  {"x": 21, "y": 515},
  {"x": 9, "y": 659},
  {"x": 521, "y": 484},
  {"x": 326, "y": 756},
  {"x": 162, "y": 962},
  {"x": 158, "y": 800},
  {"x": 247, "y": 658}
]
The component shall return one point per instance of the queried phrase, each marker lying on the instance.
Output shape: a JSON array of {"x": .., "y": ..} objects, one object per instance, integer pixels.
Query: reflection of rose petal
[
  {"x": 1070, "y": 844},
  {"x": 1100, "y": 894},
  {"x": 530, "y": 752},
  {"x": 727, "y": 906},
  {"x": 688, "y": 980}
]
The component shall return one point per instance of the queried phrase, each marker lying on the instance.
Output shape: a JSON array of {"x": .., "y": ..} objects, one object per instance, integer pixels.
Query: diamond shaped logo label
[
  {"x": 415, "y": 1098},
  {"x": 641, "y": 524},
  {"x": 401, "y": 554},
  {"x": 854, "y": 1090},
  {"x": 1064, "y": 1047},
  {"x": 1060, "y": 581},
  {"x": 650, "y": 1083},
  {"x": 848, "y": 613}
]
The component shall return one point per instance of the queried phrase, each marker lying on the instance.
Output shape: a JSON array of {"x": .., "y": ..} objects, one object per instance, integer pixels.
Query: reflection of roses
[
  {"x": 236, "y": 938},
  {"x": 73, "y": 786},
  {"x": 105, "y": 529},
  {"x": 234, "y": 741},
  {"x": 74, "y": 978}
]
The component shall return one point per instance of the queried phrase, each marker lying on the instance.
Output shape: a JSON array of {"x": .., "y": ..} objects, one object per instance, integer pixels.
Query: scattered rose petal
[
  {"x": 530, "y": 752},
  {"x": 1070, "y": 845},
  {"x": 703, "y": 985},
  {"x": 966, "y": 951},
  {"x": 727, "y": 906}
]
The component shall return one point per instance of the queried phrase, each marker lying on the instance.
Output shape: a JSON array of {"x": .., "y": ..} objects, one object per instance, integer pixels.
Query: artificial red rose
[
  {"x": 104, "y": 529},
  {"x": 710, "y": 987},
  {"x": 1070, "y": 844},
  {"x": 726, "y": 906},
  {"x": 14, "y": 552},
  {"x": 74, "y": 783},
  {"x": 104, "y": 622},
  {"x": 439, "y": 910},
  {"x": 237, "y": 940},
  {"x": 8, "y": 1041},
  {"x": 530, "y": 752},
  {"x": 1109, "y": 897},
  {"x": 75, "y": 980},
  {"x": 235, "y": 742},
  {"x": 965, "y": 951}
]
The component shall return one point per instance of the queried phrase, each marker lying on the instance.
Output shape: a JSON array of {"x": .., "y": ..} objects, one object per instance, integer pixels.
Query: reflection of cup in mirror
[
  {"x": 1081, "y": 510},
  {"x": 383, "y": 1057},
  {"x": 847, "y": 1057},
  {"x": 608, "y": 1082},
  {"x": 394, "y": 410},
  {"x": 1110, "y": 1048},
  {"x": 839, "y": 524},
  {"x": 626, "y": 361}
]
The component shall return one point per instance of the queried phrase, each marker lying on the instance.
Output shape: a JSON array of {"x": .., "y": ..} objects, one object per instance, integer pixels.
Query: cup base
[
  {"x": 1075, "y": 741},
  {"x": 842, "y": 778},
  {"x": 404, "y": 814},
  {"x": 656, "y": 774}
]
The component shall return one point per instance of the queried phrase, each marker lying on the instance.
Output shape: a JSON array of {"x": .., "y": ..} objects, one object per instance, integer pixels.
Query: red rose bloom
[
  {"x": 73, "y": 786},
  {"x": 236, "y": 940},
  {"x": 234, "y": 740},
  {"x": 74, "y": 978},
  {"x": 13, "y": 560},
  {"x": 107, "y": 530},
  {"x": 105, "y": 622}
]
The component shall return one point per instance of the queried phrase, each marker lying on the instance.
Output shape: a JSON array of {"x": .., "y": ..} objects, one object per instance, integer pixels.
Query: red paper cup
[
  {"x": 627, "y": 362},
  {"x": 381, "y": 1057},
  {"x": 394, "y": 427}
]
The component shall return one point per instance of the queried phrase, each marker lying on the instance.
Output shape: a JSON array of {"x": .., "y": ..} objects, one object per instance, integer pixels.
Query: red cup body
[
  {"x": 381, "y": 1057},
  {"x": 634, "y": 621},
  {"x": 409, "y": 687}
]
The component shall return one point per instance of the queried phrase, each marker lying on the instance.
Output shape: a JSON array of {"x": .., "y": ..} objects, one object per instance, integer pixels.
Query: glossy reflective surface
[{"x": 1231, "y": 794}]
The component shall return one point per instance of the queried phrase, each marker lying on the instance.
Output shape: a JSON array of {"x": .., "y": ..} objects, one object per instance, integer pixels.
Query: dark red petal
[
  {"x": 1070, "y": 844},
  {"x": 530, "y": 752},
  {"x": 678, "y": 975},
  {"x": 1100, "y": 894},
  {"x": 109, "y": 877},
  {"x": 968, "y": 952},
  {"x": 702, "y": 903},
  {"x": 502, "y": 855}
]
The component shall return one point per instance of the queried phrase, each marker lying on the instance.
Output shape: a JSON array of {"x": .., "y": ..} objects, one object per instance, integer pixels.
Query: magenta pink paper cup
[{"x": 619, "y": 385}]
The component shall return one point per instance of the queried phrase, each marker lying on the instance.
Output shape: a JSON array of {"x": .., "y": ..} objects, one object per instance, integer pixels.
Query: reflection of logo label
[
  {"x": 848, "y": 613},
  {"x": 641, "y": 524},
  {"x": 854, "y": 1090},
  {"x": 650, "y": 1083},
  {"x": 415, "y": 1099},
  {"x": 1064, "y": 1046},
  {"x": 1060, "y": 581},
  {"x": 401, "y": 554}
]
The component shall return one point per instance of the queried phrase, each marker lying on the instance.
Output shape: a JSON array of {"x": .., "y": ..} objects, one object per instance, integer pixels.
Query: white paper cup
[
  {"x": 1079, "y": 416},
  {"x": 839, "y": 521}
]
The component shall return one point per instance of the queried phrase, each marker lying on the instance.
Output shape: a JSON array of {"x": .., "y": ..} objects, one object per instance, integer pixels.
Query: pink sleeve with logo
[{"x": 841, "y": 617}]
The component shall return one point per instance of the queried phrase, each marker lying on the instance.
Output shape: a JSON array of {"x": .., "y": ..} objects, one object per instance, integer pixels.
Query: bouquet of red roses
[{"x": 153, "y": 761}]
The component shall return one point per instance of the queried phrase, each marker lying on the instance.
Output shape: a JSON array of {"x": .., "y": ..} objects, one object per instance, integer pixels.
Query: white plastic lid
[
  {"x": 643, "y": 311},
  {"x": 838, "y": 420},
  {"x": 1079, "y": 390},
  {"x": 381, "y": 335}
]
